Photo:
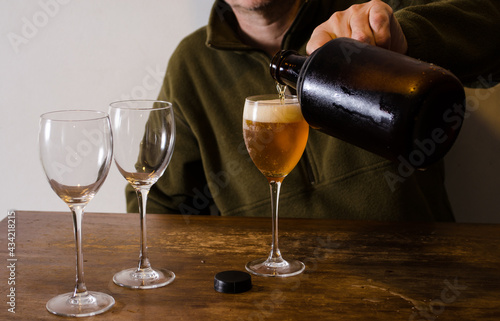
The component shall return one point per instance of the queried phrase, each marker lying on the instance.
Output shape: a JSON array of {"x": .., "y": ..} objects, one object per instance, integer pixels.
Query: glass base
[
  {"x": 280, "y": 268},
  {"x": 145, "y": 279},
  {"x": 82, "y": 305}
]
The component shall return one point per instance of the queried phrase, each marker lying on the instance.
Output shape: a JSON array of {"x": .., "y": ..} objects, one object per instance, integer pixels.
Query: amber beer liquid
[
  {"x": 275, "y": 135},
  {"x": 387, "y": 103}
]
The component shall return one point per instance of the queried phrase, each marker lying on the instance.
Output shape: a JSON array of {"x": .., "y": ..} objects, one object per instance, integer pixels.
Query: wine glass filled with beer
[{"x": 275, "y": 134}]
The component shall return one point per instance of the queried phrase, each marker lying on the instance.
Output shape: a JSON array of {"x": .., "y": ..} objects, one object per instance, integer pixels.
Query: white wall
[
  {"x": 68, "y": 54},
  {"x": 65, "y": 54}
]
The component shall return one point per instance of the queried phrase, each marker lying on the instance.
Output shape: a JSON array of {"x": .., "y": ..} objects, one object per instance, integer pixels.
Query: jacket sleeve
[{"x": 460, "y": 35}]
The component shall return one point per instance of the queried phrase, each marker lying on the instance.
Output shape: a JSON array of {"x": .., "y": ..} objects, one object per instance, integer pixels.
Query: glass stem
[
  {"x": 80, "y": 288},
  {"x": 142, "y": 196},
  {"x": 275, "y": 186}
]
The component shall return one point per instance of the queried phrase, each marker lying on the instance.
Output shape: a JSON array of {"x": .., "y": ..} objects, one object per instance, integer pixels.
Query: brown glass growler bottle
[{"x": 387, "y": 103}]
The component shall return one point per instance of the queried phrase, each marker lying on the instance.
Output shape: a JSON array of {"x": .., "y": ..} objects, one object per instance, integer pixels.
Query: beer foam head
[{"x": 273, "y": 111}]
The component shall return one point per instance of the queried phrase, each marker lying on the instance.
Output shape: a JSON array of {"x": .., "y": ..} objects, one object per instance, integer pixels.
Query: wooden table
[{"x": 355, "y": 270}]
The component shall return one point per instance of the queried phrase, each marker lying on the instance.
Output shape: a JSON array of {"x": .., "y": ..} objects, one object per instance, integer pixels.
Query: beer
[
  {"x": 387, "y": 103},
  {"x": 275, "y": 134}
]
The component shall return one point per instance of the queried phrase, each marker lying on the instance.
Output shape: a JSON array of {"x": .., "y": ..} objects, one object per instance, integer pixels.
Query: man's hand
[{"x": 371, "y": 22}]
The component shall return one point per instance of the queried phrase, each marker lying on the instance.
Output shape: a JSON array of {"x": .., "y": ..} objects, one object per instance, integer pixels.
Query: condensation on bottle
[{"x": 398, "y": 107}]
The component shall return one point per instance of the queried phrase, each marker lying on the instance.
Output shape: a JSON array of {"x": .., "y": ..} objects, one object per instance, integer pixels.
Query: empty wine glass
[
  {"x": 275, "y": 135},
  {"x": 144, "y": 136},
  {"x": 76, "y": 152}
]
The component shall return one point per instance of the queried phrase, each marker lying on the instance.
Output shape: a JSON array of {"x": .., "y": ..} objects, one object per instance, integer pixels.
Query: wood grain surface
[{"x": 355, "y": 270}]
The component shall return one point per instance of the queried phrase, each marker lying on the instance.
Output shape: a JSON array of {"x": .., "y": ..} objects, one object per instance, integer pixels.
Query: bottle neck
[{"x": 285, "y": 67}]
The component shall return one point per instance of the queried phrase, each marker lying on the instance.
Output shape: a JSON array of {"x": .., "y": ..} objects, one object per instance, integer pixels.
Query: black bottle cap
[{"x": 232, "y": 282}]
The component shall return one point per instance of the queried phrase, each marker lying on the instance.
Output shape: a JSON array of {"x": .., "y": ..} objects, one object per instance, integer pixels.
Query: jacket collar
[{"x": 222, "y": 28}]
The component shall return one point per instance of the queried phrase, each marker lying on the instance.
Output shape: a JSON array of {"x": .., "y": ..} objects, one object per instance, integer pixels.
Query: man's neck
[{"x": 264, "y": 28}]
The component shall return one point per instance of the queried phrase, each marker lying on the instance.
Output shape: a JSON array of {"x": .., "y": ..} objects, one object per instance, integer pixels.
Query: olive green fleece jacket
[{"x": 212, "y": 71}]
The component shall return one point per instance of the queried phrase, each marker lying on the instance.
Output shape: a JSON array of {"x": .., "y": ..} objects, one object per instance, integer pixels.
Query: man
[{"x": 216, "y": 67}]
